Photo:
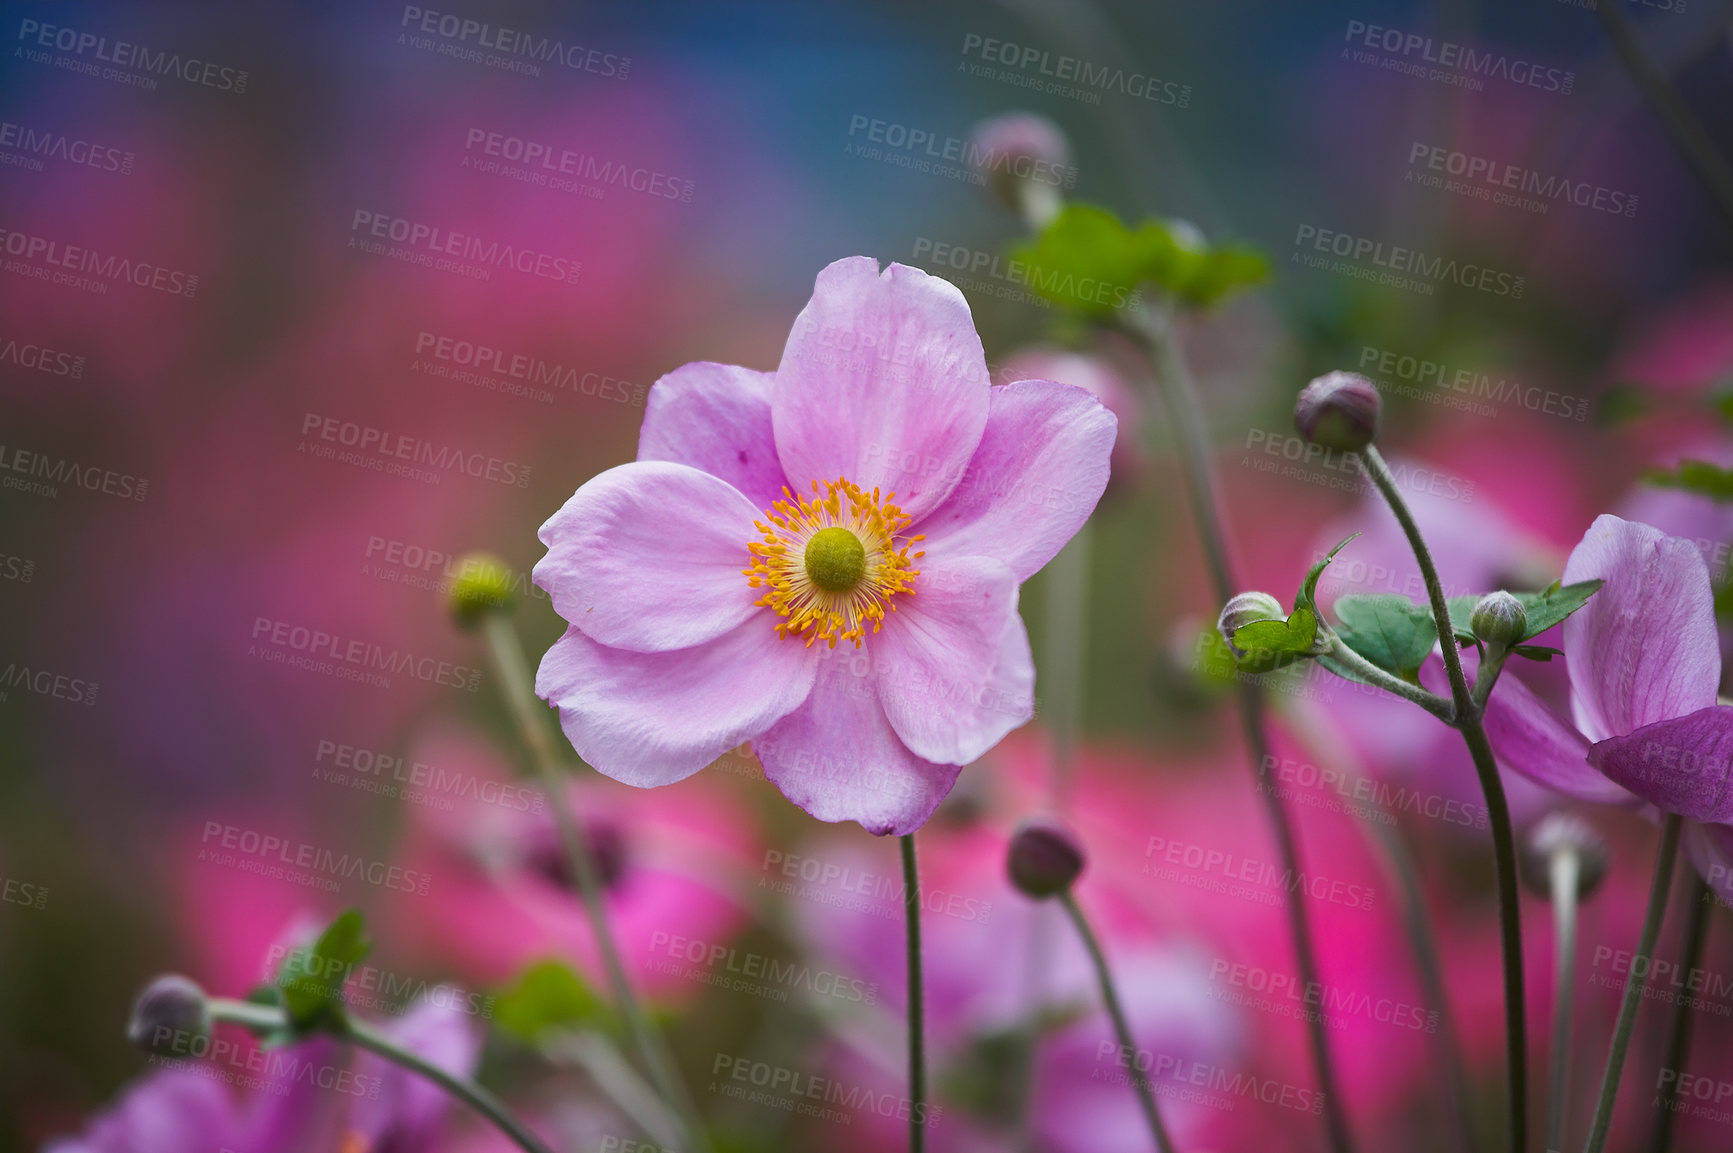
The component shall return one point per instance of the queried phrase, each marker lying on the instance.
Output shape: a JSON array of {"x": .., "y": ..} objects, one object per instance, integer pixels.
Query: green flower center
[{"x": 835, "y": 559}]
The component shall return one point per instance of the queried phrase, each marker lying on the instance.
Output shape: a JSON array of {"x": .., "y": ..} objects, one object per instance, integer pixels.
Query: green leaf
[
  {"x": 1537, "y": 652},
  {"x": 1306, "y": 598},
  {"x": 1294, "y": 635},
  {"x": 1698, "y": 476},
  {"x": 547, "y": 995},
  {"x": 311, "y": 979},
  {"x": 1544, "y": 609},
  {"x": 1085, "y": 259},
  {"x": 1223, "y": 272},
  {"x": 1391, "y": 631}
]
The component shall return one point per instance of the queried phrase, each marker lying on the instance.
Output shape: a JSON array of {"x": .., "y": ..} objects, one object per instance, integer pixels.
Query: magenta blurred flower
[
  {"x": 697, "y": 584},
  {"x": 1644, "y": 662}
]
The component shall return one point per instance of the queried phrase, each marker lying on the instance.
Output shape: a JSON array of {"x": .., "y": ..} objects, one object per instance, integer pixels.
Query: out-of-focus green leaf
[
  {"x": 547, "y": 995},
  {"x": 311, "y": 979},
  {"x": 1698, "y": 476}
]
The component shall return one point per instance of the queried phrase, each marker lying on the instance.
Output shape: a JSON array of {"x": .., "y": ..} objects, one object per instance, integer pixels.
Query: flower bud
[
  {"x": 1045, "y": 857},
  {"x": 1339, "y": 411},
  {"x": 1022, "y": 157},
  {"x": 1499, "y": 619},
  {"x": 1560, "y": 832},
  {"x": 483, "y": 583},
  {"x": 170, "y": 1017},
  {"x": 1245, "y": 609}
]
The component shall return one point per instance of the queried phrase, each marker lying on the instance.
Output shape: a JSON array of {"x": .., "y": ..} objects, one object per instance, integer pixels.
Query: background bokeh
[{"x": 212, "y": 513}]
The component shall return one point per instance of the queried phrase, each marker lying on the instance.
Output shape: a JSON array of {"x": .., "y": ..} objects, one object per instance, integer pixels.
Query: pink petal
[
  {"x": 649, "y": 557},
  {"x": 1644, "y": 648},
  {"x": 837, "y": 757},
  {"x": 716, "y": 418},
  {"x": 1531, "y": 739},
  {"x": 1711, "y": 850},
  {"x": 650, "y": 719},
  {"x": 1680, "y": 765},
  {"x": 952, "y": 677},
  {"x": 883, "y": 382},
  {"x": 1041, "y": 467}
]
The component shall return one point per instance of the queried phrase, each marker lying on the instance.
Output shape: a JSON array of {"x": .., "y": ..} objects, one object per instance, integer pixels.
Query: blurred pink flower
[
  {"x": 695, "y": 583},
  {"x": 1044, "y": 362}
]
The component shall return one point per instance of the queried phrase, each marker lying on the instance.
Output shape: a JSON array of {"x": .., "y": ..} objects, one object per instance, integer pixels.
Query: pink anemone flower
[{"x": 823, "y": 561}]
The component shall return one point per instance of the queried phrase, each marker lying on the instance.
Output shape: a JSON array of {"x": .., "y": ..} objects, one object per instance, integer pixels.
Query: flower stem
[
  {"x": 1390, "y": 683},
  {"x": 265, "y": 1017},
  {"x": 917, "y": 1011},
  {"x": 1688, "y": 135},
  {"x": 1679, "y": 1043},
  {"x": 1067, "y": 611},
  {"x": 1564, "y": 869},
  {"x": 519, "y": 692},
  {"x": 1154, "y": 333},
  {"x": 1497, "y": 808},
  {"x": 1635, "y": 983},
  {"x": 1121, "y": 1027}
]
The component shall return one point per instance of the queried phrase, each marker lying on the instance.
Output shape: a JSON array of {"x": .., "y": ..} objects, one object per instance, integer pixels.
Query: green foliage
[
  {"x": 1698, "y": 476},
  {"x": 547, "y": 995},
  {"x": 1544, "y": 609},
  {"x": 310, "y": 983},
  {"x": 1391, "y": 631}
]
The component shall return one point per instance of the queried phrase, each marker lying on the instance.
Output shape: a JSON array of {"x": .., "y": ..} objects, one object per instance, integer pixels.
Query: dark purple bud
[
  {"x": 1339, "y": 411},
  {"x": 1045, "y": 857},
  {"x": 170, "y": 1017}
]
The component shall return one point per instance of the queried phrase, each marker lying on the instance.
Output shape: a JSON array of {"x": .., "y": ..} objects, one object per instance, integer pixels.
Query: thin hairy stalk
[
  {"x": 265, "y": 1017},
  {"x": 1390, "y": 683},
  {"x": 1679, "y": 1037},
  {"x": 1121, "y": 1027},
  {"x": 1497, "y": 807},
  {"x": 1154, "y": 332},
  {"x": 1564, "y": 871},
  {"x": 1699, "y": 151},
  {"x": 917, "y": 1007},
  {"x": 519, "y": 693},
  {"x": 1635, "y": 983}
]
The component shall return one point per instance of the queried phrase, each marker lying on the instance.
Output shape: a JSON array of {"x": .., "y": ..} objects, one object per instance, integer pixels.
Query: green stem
[
  {"x": 1390, "y": 683},
  {"x": 1121, "y": 1027},
  {"x": 1497, "y": 807},
  {"x": 519, "y": 691},
  {"x": 264, "y": 1017},
  {"x": 1688, "y": 135},
  {"x": 1565, "y": 870},
  {"x": 1679, "y": 1044},
  {"x": 1635, "y": 983},
  {"x": 917, "y": 1010},
  {"x": 1154, "y": 332}
]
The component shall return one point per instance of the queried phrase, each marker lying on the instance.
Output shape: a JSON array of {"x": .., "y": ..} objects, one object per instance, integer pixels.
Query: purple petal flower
[{"x": 875, "y": 494}]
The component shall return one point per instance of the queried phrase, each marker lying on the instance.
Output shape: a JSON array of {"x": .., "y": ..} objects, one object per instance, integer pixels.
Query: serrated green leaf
[
  {"x": 1544, "y": 609},
  {"x": 547, "y": 995},
  {"x": 1391, "y": 631},
  {"x": 311, "y": 979},
  {"x": 1294, "y": 635},
  {"x": 1306, "y": 598},
  {"x": 1698, "y": 476}
]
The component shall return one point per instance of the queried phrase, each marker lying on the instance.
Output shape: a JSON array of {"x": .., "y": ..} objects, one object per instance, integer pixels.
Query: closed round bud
[
  {"x": 1024, "y": 160},
  {"x": 483, "y": 584},
  {"x": 1045, "y": 857},
  {"x": 1245, "y": 609},
  {"x": 1339, "y": 411},
  {"x": 1555, "y": 834},
  {"x": 1499, "y": 619},
  {"x": 171, "y": 1018}
]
